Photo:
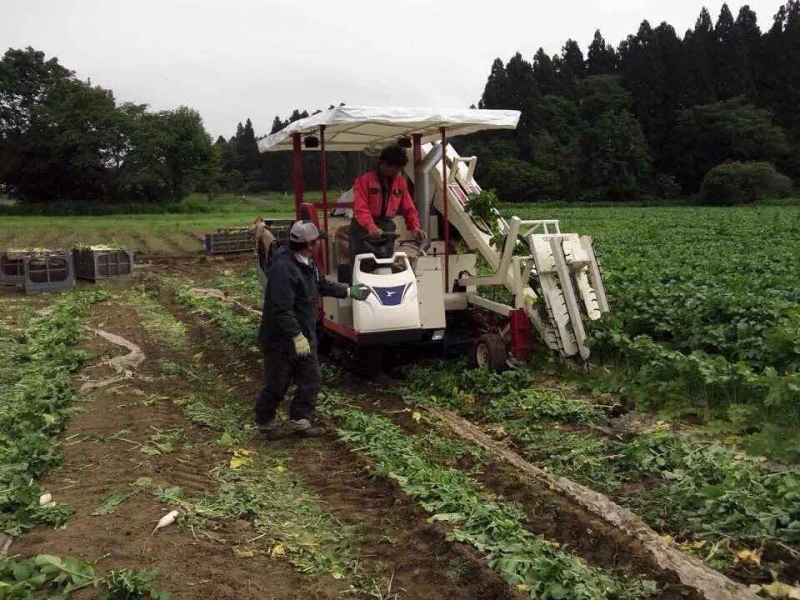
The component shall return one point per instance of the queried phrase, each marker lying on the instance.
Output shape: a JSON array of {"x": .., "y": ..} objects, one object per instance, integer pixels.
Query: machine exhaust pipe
[{"x": 423, "y": 191}]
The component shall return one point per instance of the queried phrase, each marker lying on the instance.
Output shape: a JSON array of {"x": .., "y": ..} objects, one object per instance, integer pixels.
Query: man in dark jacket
[{"x": 288, "y": 332}]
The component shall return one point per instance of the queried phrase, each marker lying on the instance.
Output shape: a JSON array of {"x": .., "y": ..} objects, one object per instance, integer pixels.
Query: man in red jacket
[{"x": 378, "y": 195}]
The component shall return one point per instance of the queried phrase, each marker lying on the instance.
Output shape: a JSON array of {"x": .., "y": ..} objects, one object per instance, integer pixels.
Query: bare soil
[{"x": 390, "y": 529}]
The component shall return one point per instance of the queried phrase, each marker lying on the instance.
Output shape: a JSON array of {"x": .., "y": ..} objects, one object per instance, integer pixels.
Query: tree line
[
  {"x": 715, "y": 112},
  {"x": 244, "y": 169},
  {"x": 62, "y": 139}
]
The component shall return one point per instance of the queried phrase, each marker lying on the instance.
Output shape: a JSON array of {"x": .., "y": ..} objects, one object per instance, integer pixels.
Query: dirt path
[
  {"x": 102, "y": 449},
  {"x": 553, "y": 517},
  {"x": 94, "y": 468},
  {"x": 392, "y": 531}
]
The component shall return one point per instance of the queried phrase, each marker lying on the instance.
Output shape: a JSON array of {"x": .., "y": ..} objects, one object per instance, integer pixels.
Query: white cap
[{"x": 305, "y": 232}]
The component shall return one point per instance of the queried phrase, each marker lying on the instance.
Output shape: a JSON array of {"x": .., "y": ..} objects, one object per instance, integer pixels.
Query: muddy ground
[{"x": 392, "y": 532}]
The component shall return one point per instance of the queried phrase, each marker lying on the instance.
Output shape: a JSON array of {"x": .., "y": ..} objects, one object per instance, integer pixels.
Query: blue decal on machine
[{"x": 390, "y": 296}]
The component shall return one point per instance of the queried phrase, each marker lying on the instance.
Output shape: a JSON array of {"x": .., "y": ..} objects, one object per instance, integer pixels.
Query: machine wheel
[
  {"x": 365, "y": 362},
  {"x": 490, "y": 352}
]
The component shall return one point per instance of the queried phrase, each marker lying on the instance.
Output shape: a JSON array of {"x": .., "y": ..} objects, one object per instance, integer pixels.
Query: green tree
[
  {"x": 68, "y": 140},
  {"x": 697, "y": 85},
  {"x": 573, "y": 59},
  {"x": 642, "y": 70},
  {"x": 74, "y": 146},
  {"x": 780, "y": 81},
  {"x": 26, "y": 79},
  {"x": 556, "y": 148},
  {"x": 729, "y": 130},
  {"x": 732, "y": 69},
  {"x": 601, "y": 58},
  {"x": 544, "y": 72},
  {"x": 496, "y": 92},
  {"x": 614, "y": 160},
  {"x": 524, "y": 94},
  {"x": 747, "y": 24}
]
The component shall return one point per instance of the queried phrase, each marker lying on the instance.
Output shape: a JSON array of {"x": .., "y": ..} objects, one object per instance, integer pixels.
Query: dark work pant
[{"x": 281, "y": 368}]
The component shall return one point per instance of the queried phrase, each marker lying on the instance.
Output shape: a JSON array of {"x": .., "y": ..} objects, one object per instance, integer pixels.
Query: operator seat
[{"x": 341, "y": 254}]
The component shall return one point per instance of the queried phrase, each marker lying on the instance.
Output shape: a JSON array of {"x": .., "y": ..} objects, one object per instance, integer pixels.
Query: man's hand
[
  {"x": 376, "y": 234},
  {"x": 358, "y": 291},
  {"x": 419, "y": 235},
  {"x": 301, "y": 345}
]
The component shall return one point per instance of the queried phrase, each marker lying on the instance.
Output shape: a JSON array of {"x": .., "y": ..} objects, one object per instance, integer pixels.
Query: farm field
[
  {"x": 178, "y": 234},
  {"x": 687, "y": 418},
  {"x": 706, "y": 313}
]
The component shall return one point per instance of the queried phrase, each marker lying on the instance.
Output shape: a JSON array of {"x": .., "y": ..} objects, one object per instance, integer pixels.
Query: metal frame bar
[
  {"x": 323, "y": 174},
  {"x": 297, "y": 150},
  {"x": 543, "y": 224},
  {"x": 596, "y": 278},
  {"x": 495, "y": 307},
  {"x": 446, "y": 203},
  {"x": 570, "y": 299},
  {"x": 500, "y": 277}
]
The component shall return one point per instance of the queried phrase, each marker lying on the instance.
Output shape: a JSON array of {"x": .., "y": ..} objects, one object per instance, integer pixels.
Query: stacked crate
[
  {"x": 230, "y": 241},
  {"x": 96, "y": 263},
  {"x": 12, "y": 267},
  {"x": 49, "y": 271}
]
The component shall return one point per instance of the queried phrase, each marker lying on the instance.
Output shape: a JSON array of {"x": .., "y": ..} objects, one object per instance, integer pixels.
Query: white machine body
[{"x": 393, "y": 303}]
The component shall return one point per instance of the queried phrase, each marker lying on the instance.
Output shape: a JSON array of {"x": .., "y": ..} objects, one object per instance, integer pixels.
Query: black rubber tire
[{"x": 490, "y": 352}]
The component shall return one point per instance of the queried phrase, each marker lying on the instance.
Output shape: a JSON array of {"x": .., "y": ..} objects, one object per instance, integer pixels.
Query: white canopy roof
[{"x": 357, "y": 128}]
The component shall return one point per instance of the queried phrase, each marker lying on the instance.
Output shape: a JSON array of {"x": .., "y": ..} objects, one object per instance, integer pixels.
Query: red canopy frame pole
[
  {"x": 324, "y": 181},
  {"x": 297, "y": 147},
  {"x": 417, "y": 138},
  {"x": 445, "y": 202}
]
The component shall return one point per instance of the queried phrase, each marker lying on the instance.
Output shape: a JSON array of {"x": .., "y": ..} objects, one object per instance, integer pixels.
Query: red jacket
[{"x": 368, "y": 197}]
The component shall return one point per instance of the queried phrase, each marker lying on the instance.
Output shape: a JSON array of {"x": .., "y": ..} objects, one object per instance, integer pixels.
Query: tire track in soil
[
  {"x": 390, "y": 528},
  {"x": 189, "y": 567}
]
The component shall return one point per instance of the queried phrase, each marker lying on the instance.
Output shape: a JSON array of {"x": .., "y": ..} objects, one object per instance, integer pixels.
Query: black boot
[{"x": 303, "y": 427}]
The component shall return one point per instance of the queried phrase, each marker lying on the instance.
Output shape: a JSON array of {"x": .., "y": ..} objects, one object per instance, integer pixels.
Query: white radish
[
  {"x": 45, "y": 499},
  {"x": 166, "y": 520}
]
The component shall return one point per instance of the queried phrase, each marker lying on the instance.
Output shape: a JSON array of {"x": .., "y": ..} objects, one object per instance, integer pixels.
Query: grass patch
[
  {"x": 244, "y": 285},
  {"x": 237, "y": 328},
  {"x": 287, "y": 518},
  {"x": 36, "y": 369},
  {"x": 157, "y": 321}
]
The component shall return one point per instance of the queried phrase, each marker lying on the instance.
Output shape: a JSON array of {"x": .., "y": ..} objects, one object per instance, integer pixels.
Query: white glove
[{"x": 301, "y": 345}]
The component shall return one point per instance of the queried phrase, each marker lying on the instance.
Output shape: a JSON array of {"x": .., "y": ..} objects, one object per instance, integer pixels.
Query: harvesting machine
[{"x": 445, "y": 290}]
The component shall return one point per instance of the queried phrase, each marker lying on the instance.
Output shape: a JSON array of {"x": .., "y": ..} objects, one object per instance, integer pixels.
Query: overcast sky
[{"x": 235, "y": 59}]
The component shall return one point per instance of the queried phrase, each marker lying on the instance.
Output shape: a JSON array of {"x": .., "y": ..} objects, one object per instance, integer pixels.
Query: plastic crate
[
  {"x": 98, "y": 263},
  {"x": 12, "y": 267},
  {"x": 49, "y": 272},
  {"x": 230, "y": 241}
]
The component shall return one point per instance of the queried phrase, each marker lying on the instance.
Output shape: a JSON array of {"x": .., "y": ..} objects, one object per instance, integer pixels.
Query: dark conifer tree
[
  {"x": 732, "y": 72},
  {"x": 601, "y": 59},
  {"x": 544, "y": 72},
  {"x": 573, "y": 59},
  {"x": 496, "y": 93}
]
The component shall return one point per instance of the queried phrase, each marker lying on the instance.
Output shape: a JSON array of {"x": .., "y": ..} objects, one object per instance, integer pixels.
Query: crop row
[{"x": 696, "y": 490}]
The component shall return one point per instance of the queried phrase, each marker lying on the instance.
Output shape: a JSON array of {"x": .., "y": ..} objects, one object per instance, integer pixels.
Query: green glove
[
  {"x": 358, "y": 291},
  {"x": 301, "y": 345}
]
